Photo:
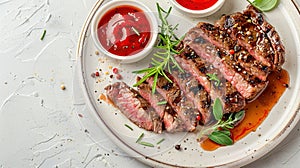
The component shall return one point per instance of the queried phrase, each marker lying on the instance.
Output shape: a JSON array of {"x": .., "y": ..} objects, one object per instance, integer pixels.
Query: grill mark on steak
[
  {"x": 134, "y": 107},
  {"x": 273, "y": 36},
  {"x": 194, "y": 92},
  {"x": 241, "y": 56},
  {"x": 251, "y": 36},
  {"x": 169, "y": 117},
  {"x": 174, "y": 96},
  {"x": 231, "y": 99},
  {"x": 248, "y": 85}
]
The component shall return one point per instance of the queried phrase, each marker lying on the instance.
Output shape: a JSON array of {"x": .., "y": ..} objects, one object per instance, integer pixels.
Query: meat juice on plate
[{"x": 258, "y": 110}]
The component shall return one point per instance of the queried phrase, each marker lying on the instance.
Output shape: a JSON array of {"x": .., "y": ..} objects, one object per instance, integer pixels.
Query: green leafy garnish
[
  {"x": 214, "y": 77},
  {"x": 140, "y": 138},
  {"x": 126, "y": 125},
  {"x": 162, "y": 103},
  {"x": 159, "y": 142},
  {"x": 221, "y": 138},
  {"x": 264, "y": 5},
  {"x": 217, "y": 109},
  {"x": 139, "y": 141},
  {"x": 220, "y": 132},
  {"x": 163, "y": 59},
  {"x": 146, "y": 144},
  {"x": 43, "y": 35}
]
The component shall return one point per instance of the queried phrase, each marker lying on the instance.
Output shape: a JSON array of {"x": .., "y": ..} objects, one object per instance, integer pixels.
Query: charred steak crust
[
  {"x": 174, "y": 96},
  {"x": 258, "y": 19},
  {"x": 231, "y": 99},
  {"x": 240, "y": 56},
  {"x": 194, "y": 92},
  {"x": 254, "y": 33},
  {"x": 134, "y": 107},
  {"x": 171, "y": 122},
  {"x": 248, "y": 85}
]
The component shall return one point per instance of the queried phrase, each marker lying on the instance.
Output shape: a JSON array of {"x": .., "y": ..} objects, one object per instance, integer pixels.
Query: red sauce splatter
[
  {"x": 197, "y": 4},
  {"x": 258, "y": 110},
  {"x": 124, "y": 30}
]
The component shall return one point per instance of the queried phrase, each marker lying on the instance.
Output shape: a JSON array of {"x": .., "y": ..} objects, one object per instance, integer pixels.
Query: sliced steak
[
  {"x": 237, "y": 53},
  {"x": 262, "y": 44},
  {"x": 194, "y": 92},
  {"x": 134, "y": 107},
  {"x": 174, "y": 96},
  {"x": 231, "y": 99},
  {"x": 273, "y": 36},
  {"x": 169, "y": 117},
  {"x": 248, "y": 85}
]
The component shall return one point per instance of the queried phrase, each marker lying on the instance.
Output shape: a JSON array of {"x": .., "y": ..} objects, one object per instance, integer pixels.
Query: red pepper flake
[
  {"x": 80, "y": 115},
  {"x": 97, "y": 74},
  {"x": 115, "y": 70},
  {"x": 198, "y": 118},
  {"x": 119, "y": 77},
  {"x": 231, "y": 52}
]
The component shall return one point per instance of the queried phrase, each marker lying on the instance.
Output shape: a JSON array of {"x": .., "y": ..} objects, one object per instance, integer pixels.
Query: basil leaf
[
  {"x": 264, "y": 5},
  {"x": 238, "y": 116},
  {"x": 227, "y": 132},
  {"x": 221, "y": 138},
  {"x": 218, "y": 109}
]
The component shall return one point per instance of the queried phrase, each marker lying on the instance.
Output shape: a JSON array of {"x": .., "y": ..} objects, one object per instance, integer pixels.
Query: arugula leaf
[
  {"x": 218, "y": 109},
  {"x": 220, "y": 137}
]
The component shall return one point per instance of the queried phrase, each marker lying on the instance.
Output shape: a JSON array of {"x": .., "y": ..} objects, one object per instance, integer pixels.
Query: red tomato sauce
[
  {"x": 258, "y": 110},
  {"x": 197, "y": 4},
  {"x": 124, "y": 30}
]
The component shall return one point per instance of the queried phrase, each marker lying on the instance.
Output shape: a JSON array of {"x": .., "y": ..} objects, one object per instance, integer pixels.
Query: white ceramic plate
[{"x": 271, "y": 132}]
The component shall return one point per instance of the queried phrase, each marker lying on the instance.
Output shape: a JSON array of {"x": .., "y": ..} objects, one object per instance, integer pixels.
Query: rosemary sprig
[
  {"x": 220, "y": 132},
  {"x": 163, "y": 59},
  {"x": 126, "y": 125},
  {"x": 43, "y": 35}
]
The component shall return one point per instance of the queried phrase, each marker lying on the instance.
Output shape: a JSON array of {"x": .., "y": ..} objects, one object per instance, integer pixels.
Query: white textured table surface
[{"x": 42, "y": 125}]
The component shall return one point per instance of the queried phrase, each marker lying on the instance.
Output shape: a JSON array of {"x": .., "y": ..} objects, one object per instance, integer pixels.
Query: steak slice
[
  {"x": 169, "y": 117},
  {"x": 194, "y": 92},
  {"x": 273, "y": 36},
  {"x": 231, "y": 99},
  {"x": 174, "y": 96},
  {"x": 134, "y": 107},
  {"x": 262, "y": 44},
  {"x": 240, "y": 55},
  {"x": 248, "y": 85}
]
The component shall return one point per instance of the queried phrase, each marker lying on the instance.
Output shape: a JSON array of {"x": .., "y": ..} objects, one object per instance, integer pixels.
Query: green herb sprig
[
  {"x": 214, "y": 77},
  {"x": 220, "y": 132},
  {"x": 264, "y": 5},
  {"x": 148, "y": 144},
  {"x": 43, "y": 35},
  {"x": 162, "y": 59}
]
